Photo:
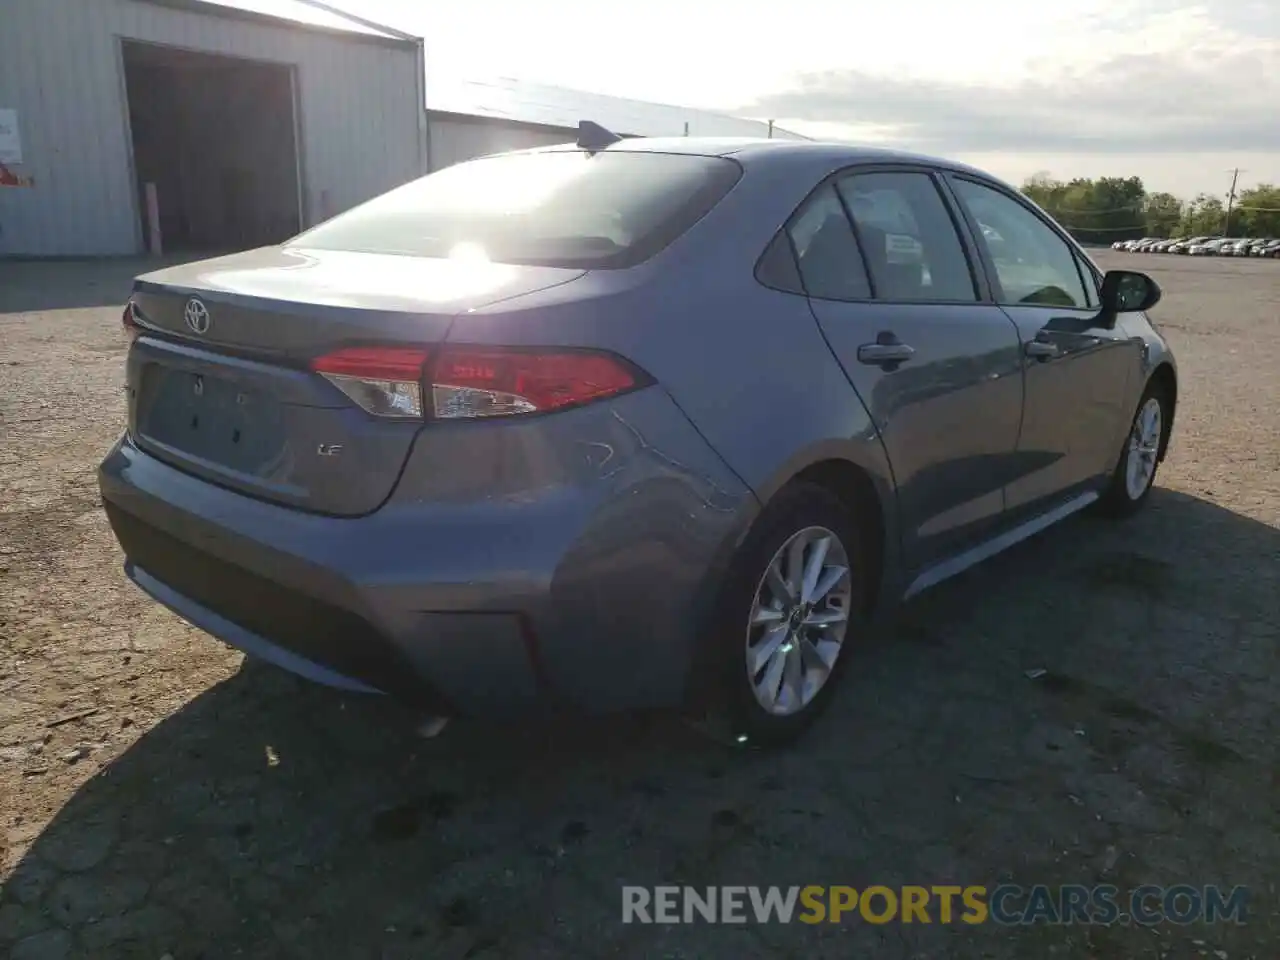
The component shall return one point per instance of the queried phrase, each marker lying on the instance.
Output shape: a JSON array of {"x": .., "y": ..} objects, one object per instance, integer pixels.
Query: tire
[
  {"x": 1127, "y": 491},
  {"x": 805, "y": 513}
]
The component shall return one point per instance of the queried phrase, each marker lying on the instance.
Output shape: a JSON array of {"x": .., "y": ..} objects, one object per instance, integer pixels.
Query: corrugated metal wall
[
  {"x": 60, "y": 67},
  {"x": 456, "y": 138}
]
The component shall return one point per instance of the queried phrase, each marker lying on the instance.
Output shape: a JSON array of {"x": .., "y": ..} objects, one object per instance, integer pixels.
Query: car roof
[{"x": 750, "y": 150}]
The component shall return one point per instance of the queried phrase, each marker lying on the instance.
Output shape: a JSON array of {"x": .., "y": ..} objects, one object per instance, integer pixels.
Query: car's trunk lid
[{"x": 222, "y": 387}]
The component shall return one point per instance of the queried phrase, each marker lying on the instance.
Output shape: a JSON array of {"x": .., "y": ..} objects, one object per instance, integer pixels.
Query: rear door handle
[
  {"x": 1041, "y": 349},
  {"x": 887, "y": 349}
]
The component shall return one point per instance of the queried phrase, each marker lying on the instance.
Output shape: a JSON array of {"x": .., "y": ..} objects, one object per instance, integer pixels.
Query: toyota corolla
[{"x": 625, "y": 423}]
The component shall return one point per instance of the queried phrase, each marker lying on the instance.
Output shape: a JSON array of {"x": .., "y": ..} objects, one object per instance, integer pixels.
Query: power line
[
  {"x": 1071, "y": 211},
  {"x": 1131, "y": 228},
  {"x": 1144, "y": 205},
  {"x": 1103, "y": 211},
  {"x": 1099, "y": 210},
  {"x": 1185, "y": 210},
  {"x": 1081, "y": 228}
]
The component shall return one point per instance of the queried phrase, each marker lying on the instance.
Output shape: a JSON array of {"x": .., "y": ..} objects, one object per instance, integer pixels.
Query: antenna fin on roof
[{"x": 593, "y": 137}]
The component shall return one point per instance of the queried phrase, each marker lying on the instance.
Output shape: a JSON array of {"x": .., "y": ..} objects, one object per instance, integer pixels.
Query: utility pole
[{"x": 1231, "y": 200}]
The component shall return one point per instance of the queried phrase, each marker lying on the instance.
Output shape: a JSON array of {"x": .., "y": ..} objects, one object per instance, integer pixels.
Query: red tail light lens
[
  {"x": 384, "y": 381},
  {"x": 484, "y": 382},
  {"x": 465, "y": 382},
  {"x": 130, "y": 322}
]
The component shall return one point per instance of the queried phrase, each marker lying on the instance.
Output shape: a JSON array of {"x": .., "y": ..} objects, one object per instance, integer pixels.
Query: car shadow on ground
[
  {"x": 1097, "y": 705},
  {"x": 36, "y": 285}
]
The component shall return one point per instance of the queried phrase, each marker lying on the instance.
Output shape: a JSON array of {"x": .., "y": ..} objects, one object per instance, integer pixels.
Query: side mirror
[{"x": 1127, "y": 291}]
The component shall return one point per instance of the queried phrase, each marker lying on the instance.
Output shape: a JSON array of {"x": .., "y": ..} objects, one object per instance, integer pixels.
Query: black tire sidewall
[{"x": 796, "y": 507}]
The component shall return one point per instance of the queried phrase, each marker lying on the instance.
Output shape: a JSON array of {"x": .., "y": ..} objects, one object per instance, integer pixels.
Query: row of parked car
[{"x": 1205, "y": 246}]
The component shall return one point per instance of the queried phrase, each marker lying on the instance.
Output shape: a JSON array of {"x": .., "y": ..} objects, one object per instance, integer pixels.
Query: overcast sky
[{"x": 1177, "y": 92}]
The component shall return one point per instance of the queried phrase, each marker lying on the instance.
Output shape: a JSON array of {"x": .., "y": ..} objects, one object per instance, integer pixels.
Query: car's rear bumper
[{"x": 580, "y": 578}]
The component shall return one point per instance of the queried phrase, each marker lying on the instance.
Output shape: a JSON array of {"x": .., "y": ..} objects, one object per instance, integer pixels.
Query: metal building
[
  {"x": 250, "y": 118},
  {"x": 469, "y": 117},
  {"x": 208, "y": 125}
]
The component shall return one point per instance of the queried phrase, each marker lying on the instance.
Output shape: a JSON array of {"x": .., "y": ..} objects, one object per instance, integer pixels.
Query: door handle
[
  {"x": 1042, "y": 349},
  {"x": 887, "y": 349}
]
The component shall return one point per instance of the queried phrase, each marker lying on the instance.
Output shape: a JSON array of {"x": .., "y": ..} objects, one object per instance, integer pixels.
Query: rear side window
[
  {"x": 826, "y": 251},
  {"x": 913, "y": 250},
  {"x": 777, "y": 266},
  {"x": 563, "y": 208}
]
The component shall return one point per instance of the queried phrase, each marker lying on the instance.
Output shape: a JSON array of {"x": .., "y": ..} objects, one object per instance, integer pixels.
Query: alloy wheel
[
  {"x": 1144, "y": 447},
  {"x": 798, "y": 621}
]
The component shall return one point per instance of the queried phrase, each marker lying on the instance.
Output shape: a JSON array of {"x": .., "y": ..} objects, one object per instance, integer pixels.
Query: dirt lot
[{"x": 158, "y": 797}]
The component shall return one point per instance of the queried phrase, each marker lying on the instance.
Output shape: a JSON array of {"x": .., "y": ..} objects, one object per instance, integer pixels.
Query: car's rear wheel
[
  {"x": 791, "y": 609},
  {"x": 1135, "y": 474}
]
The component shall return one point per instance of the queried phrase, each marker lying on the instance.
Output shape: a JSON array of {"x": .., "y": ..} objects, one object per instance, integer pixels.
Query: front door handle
[
  {"x": 887, "y": 349},
  {"x": 1042, "y": 349}
]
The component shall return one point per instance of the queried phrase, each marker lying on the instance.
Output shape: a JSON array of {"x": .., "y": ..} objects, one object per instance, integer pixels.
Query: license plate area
[{"x": 212, "y": 419}]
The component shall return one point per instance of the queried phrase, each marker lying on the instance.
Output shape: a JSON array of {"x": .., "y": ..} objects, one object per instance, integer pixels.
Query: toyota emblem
[{"x": 197, "y": 316}]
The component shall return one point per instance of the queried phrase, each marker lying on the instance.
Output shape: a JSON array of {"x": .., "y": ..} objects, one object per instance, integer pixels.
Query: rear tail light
[
  {"x": 464, "y": 382},
  {"x": 130, "y": 322},
  {"x": 385, "y": 381},
  {"x": 481, "y": 382}
]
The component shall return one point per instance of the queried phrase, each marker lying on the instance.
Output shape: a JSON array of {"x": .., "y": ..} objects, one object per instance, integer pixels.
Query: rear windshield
[{"x": 562, "y": 208}]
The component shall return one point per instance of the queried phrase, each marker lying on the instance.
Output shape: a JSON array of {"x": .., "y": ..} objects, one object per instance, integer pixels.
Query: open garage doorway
[{"x": 217, "y": 136}]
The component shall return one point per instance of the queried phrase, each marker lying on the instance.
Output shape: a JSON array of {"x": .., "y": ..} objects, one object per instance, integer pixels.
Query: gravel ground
[{"x": 160, "y": 797}]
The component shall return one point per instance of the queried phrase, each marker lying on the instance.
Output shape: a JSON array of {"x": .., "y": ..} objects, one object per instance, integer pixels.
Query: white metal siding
[
  {"x": 60, "y": 67},
  {"x": 454, "y": 139}
]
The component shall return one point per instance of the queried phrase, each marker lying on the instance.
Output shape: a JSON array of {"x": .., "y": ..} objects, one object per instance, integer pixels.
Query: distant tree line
[{"x": 1120, "y": 208}]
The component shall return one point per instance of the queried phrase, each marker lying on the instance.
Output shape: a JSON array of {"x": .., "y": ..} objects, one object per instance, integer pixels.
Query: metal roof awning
[
  {"x": 520, "y": 101},
  {"x": 312, "y": 14}
]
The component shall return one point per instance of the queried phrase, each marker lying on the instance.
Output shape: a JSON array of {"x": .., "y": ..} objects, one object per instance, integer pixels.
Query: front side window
[
  {"x": 913, "y": 250},
  {"x": 1034, "y": 265},
  {"x": 1092, "y": 295},
  {"x": 563, "y": 208}
]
